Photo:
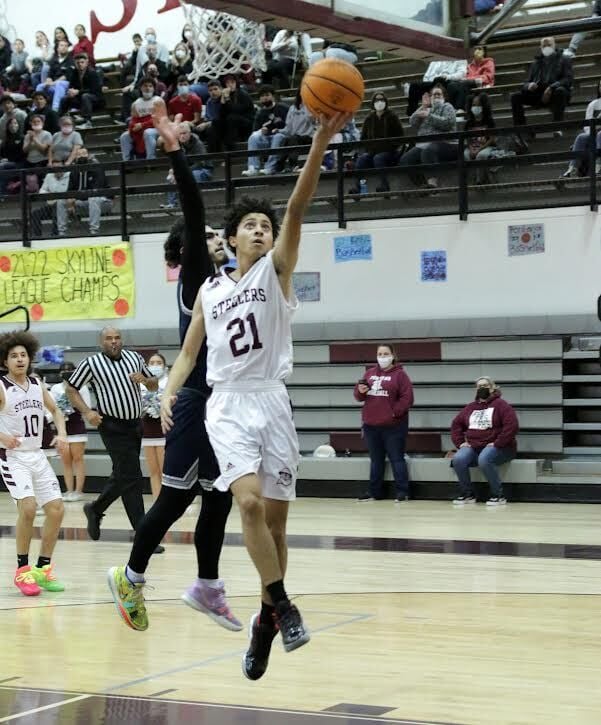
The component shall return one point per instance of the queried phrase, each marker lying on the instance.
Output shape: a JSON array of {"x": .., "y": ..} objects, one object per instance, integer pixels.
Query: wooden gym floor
[{"x": 419, "y": 612}]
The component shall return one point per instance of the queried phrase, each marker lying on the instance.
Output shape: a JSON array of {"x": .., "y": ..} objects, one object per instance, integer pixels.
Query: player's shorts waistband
[{"x": 249, "y": 386}]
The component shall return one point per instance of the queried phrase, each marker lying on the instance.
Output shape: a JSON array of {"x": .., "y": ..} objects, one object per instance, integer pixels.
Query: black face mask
[{"x": 483, "y": 393}]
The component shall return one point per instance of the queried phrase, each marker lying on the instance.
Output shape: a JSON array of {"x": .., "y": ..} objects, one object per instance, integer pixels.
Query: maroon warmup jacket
[
  {"x": 486, "y": 421},
  {"x": 389, "y": 397}
]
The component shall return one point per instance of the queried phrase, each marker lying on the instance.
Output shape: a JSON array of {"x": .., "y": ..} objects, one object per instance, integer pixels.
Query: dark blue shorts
[{"x": 188, "y": 453}]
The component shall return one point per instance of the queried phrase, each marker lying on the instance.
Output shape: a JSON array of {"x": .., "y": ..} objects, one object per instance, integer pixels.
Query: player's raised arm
[
  {"x": 196, "y": 263},
  {"x": 285, "y": 254}
]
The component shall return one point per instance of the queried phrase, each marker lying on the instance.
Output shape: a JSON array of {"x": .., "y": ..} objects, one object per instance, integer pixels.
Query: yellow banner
[{"x": 69, "y": 283}]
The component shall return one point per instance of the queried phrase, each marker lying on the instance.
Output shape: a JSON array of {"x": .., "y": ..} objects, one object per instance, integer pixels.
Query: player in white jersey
[
  {"x": 245, "y": 314},
  {"x": 24, "y": 467}
]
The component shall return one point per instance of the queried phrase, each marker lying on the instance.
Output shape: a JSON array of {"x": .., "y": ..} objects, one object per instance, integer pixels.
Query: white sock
[
  {"x": 211, "y": 583},
  {"x": 133, "y": 576}
]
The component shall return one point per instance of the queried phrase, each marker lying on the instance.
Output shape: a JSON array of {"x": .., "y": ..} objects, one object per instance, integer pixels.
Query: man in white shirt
[{"x": 55, "y": 183}]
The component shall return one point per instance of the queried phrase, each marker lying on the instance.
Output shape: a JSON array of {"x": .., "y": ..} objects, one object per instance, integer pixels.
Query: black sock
[
  {"x": 267, "y": 614},
  {"x": 43, "y": 561},
  {"x": 277, "y": 592},
  {"x": 22, "y": 560}
]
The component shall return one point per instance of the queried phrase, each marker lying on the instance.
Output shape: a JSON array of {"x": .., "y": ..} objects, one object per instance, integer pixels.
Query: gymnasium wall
[{"x": 487, "y": 292}]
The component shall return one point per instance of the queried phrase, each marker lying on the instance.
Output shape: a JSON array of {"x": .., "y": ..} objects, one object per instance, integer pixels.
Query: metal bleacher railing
[{"x": 526, "y": 181}]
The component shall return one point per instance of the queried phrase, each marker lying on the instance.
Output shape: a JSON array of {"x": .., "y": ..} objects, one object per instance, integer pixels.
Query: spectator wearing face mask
[
  {"x": 180, "y": 65},
  {"x": 270, "y": 118},
  {"x": 85, "y": 91},
  {"x": 379, "y": 125},
  {"x": 185, "y": 102},
  {"x": 57, "y": 84},
  {"x": 440, "y": 73},
  {"x": 387, "y": 396},
  {"x": 480, "y": 74},
  {"x": 484, "y": 433},
  {"x": 141, "y": 137},
  {"x": 54, "y": 183},
  {"x": 65, "y": 144},
  {"x": 36, "y": 143},
  {"x": 435, "y": 115},
  {"x": 480, "y": 148},
  {"x": 578, "y": 166},
  {"x": 202, "y": 170},
  {"x": 151, "y": 50},
  {"x": 549, "y": 83},
  {"x": 10, "y": 111},
  {"x": 12, "y": 155},
  {"x": 153, "y": 438}
]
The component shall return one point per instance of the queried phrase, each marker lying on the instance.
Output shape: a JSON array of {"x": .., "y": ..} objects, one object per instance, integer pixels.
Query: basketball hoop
[{"x": 223, "y": 43}]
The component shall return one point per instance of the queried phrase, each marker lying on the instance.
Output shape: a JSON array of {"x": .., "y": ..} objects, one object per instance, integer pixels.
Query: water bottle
[{"x": 363, "y": 186}]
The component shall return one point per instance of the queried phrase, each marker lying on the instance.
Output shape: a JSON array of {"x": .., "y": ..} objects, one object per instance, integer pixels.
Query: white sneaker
[
  {"x": 267, "y": 172},
  {"x": 250, "y": 172},
  {"x": 569, "y": 53},
  {"x": 463, "y": 500},
  {"x": 67, "y": 496},
  {"x": 406, "y": 89},
  {"x": 76, "y": 496},
  {"x": 496, "y": 502}
]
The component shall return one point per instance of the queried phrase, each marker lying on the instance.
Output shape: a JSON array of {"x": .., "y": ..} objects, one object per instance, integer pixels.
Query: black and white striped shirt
[{"x": 117, "y": 395}]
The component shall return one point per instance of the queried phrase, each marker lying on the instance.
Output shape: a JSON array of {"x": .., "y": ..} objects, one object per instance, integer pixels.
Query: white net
[
  {"x": 223, "y": 43},
  {"x": 6, "y": 29}
]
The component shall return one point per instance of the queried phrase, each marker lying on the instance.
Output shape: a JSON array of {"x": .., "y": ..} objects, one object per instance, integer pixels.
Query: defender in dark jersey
[{"x": 190, "y": 465}]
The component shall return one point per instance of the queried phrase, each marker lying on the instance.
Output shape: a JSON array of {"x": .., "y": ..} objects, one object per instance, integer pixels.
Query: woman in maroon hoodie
[
  {"x": 387, "y": 395},
  {"x": 484, "y": 433}
]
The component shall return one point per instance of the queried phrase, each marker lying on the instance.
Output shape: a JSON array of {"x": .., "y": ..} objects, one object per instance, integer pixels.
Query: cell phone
[{"x": 363, "y": 381}]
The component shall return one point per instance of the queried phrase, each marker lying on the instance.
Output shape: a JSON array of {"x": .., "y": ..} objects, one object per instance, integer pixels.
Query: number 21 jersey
[
  {"x": 23, "y": 413},
  {"x": 248, "y": 326}
]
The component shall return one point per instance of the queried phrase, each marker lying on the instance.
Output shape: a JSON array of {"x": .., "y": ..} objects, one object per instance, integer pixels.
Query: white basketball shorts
[
  {"x": 28, "y": 473},
  {"x": 251, "y": 431}
]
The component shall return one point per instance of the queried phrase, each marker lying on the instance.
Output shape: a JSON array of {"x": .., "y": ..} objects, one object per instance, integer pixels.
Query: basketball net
[
  {"x": 223, "y": 43},
  {"x": 6, "y": 29}
]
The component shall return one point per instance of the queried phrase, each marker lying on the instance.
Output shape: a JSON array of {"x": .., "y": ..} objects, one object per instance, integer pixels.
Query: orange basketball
[{"x": 332, "y": 85}]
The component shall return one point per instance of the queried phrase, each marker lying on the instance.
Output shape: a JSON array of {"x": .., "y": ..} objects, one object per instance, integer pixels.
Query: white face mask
[
  {"x": 147, "y": 95},
  {"x": 156, "y": 370},
  {"x": 380, "y": 105},
  {"x": 384, "y": 361},
  {"x": 187, "y": 34},
  {"x": 547, "y": 51},
  {"x": 477, "y": 110},
  {"x": 180, "y": 53},
  {"x": 150, "y": 38},
  {"x": 437, "y": 102}
]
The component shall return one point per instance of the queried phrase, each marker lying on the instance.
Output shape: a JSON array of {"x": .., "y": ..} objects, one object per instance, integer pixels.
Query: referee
[{"x": 115, "y": 375}]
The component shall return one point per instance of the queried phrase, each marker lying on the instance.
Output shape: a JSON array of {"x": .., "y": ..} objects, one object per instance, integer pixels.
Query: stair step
[
  {"x": 581, "y": 355},
  {"x": 581, "y": 402},
  {"x": 576, "y": 468},
  {"x": 582, "y": 450},
  {"x": 582, "y": 426},
  {"x": 581, "y": 379},
  {"x": 584, "y": 479}
]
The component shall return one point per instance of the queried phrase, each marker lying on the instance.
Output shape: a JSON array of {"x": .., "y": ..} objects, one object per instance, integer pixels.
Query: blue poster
[
  {"x": 307, "y": 286},
  {"x": 349, "y": 249},
  {"x": 434, "y": 266}
]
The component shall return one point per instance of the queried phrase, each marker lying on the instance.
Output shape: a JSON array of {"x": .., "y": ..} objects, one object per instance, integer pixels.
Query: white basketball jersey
[
  {"x": 248, "y": 326},
  {"x": 23, "y": 413}
]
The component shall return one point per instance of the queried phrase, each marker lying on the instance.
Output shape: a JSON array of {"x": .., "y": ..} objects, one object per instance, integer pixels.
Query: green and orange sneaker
[
  {"x": 128, "y": 598},
  {"x": 45, "y": 579}
]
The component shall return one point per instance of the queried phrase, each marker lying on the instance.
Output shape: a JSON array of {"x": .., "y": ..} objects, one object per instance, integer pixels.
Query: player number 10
[
  {"x": 32, "y": 426},
  {"x": 239, "y": 325}
]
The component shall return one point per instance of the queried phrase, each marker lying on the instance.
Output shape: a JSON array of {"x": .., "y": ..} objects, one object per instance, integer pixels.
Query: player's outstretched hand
[
  {"x": 168, "y": 130},
  {"x": 331, "y": 125},
  {"x": 167, "y": 403}
]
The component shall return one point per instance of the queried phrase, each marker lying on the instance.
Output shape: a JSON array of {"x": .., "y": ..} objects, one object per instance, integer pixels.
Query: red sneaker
[{"x": 25, "y": 582}]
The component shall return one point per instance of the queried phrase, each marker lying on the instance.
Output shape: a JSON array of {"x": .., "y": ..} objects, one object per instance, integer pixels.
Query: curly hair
[
  {"x": 174, "y": 243},
  {"x": 249, "y": 206},
  {"x": 10, "y": 340}
]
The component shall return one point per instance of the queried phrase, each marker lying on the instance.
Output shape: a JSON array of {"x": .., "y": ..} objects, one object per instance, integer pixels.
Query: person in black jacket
[
  {"x": 88, "y": 178},
  {"x": 42, "y": 108},
  {"x": 237, "y": 113},
  {"x": 12, "y": 155},
  {"x": 85, "y": 90},
  {"x": 269, "y": 119},
  {"x": 549, "y": 83},
  {"x": 5, "y": 53}
]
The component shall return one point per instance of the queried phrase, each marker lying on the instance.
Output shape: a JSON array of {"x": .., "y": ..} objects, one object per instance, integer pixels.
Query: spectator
[
  {"x": 380, "y": 123},
  {"x": 483, "y": 7},
  {"x": 188, "y": 38},
  {"x": 65, "y": 144},
  {"x": 129, "y": 61},
  {"x": 5, "y": 54},
  {"x": 480, "y": 74},
  {"x": 85, "y": 90},
  {"x": 387, "y": 395},
  {"x": 84, "y": 45},
  {"x": 480, "y": 148},
  {"x": 185, "y": 102},
  {"x": 578, "y": 166},
  {"x": 56, "y": 84},
  {"x": 60, "y": 34},
  {"x": 549, "y": 83},
  {"x": 154, "y": 69},
  {"x": 237, "y": 113},
  {"x": 210, "y": 128},
  {"x": 435, "y": 115},
  {"x": 285, "y": 51},
  {"x": 349, "y": 134},
  {"x": 141, "y": 138},
  {"x": 484, "y": 433},
  {"x": 335, "y": 49},
  {"x": 180, "y": 65},
  {"x": 298, "y": 131},
  {"x": 42, "y": 108},
  {"x": 39, "y": 58},
  {"x": 202, "y": 170},
  {"x": 54, "y": 183},
  {"x": 270, "y": 118},
  {"x": 36, "y": 143},
  {"x": 77, "y": 437},
  {"x": 577, "y": 38},
  {"x": 9, "y": 111},
  {"x": 439, "y": 72},
  {"x": 17, "y": 72},
  {"x": 158, "y": 51},
  {"x": 12, "y": 155},
  {"x": 89, "y": 178},
  {"x": 153, "y": 438}
]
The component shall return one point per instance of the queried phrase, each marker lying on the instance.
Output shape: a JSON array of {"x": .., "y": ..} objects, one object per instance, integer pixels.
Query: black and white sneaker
[
  {"x": 496, "y": 501},
  {"x": 463, "y": 500},
  {"x": 256, "y": 657},
  {"x": 291, "y": 626}
]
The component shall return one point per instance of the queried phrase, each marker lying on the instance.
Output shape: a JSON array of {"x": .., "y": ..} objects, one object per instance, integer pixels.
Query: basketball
[{"x": 332, "y": 85}]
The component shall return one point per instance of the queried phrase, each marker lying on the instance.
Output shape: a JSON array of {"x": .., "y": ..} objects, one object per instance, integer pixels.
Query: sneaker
[
  {"x": 250, "y": 172},
  {"x": 267, "y": 172},
  {"x": 45, "y": 579},
  {"x": 94, "y": 520},
  {"x": 128, "y": 598},
  {"x": 557, "y": 134},
  {"x": 569, "y": 53},
  {"x": 168, "y": 206},
  {"x": 160, "y": 549},
  {"x": 291, "y": 626},
  {"x": 83, "y": 126},
  {"x": 212, "y": 602},
  {"x": 256, "y": 657},
  {"x": 463, "y": 500},
  {"x": 401, "y": 499},
  {"x": 496, "y": 501},
  {"x": 68, "y": 496},
  {"x": 76, "y": 496},
  {"x": 25, "y": 582},
  {"x": 365, "y": 497}
]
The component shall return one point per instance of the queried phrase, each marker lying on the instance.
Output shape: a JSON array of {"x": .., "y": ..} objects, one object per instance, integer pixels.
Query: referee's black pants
[{"x": 123, "y": 440}]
